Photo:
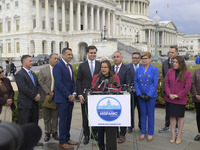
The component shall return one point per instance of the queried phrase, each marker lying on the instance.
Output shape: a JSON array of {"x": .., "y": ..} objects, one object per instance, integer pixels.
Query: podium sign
[{"x": 109, "y": 110}]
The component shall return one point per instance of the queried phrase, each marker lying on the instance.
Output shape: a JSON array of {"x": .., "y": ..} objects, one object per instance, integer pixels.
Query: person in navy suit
[
  {"x": 64, "y": 96},
  {"x": 136, "y": 57},
  {"x": 146, "y": 81},
  {"x": 125, "y": 78}
]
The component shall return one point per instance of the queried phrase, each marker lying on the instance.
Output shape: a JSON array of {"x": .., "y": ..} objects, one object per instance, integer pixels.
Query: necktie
[
  {"x": 116, "y": 72},
  {"x": 31, "y": 75},
  {"x": 91, "y": 68},
  {"x": 53, "y": 82},
  {"x": 136, "y": 67},
  {"x": 69, "y": 71}
]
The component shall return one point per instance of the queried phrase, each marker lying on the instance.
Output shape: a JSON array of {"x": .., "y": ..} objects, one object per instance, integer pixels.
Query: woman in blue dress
[{"x": 146, "y": 81}]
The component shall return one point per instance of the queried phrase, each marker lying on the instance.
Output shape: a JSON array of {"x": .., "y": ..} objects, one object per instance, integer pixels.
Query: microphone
[
  {"x": 105, "y": 84},
  {"x": 111, "y": 82},
  {"x": 116, "y": 85},
  {"x": 97, "y": 82},
  {"x": 101, "y": 84}
]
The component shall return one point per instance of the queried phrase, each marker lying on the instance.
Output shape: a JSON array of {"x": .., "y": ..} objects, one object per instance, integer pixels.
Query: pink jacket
[{"x": 180, "y": 88}]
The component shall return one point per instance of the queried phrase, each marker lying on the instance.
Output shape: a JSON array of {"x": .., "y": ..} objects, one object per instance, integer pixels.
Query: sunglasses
[{"x": 1, "y": 71}]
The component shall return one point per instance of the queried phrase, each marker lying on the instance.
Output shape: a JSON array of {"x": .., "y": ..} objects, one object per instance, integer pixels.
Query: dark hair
[
  {"x": 109, "y": 67},
  {"x": 182, "y": 67},
  {"x": 7, "y": 61},
  {"x": 65, "y": 49},
  {"x": 1, "y": 67},
  {"x": 24, "y": 57},
  {"x": 51, "y": 55},
  {"x": 136, "y": 53},
  {"x": 175, "y": 47},
  {"x": 91, "y": 47}
]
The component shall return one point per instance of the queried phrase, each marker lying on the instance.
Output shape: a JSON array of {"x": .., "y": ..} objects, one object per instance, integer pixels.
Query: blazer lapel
[
  {"x": 88, "y": 68},
  {"x": 28, "y": 77}
]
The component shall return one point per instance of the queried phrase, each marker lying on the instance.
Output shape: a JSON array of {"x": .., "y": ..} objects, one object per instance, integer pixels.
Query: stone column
[
  {"x": 85, "y": 17},
  {"x": 47, "y": 14},
  {"x": 78, "y": 16},
  {"x": 38, "y": 20},
  {"x": 124, "y": 6},
  {"x": 108, "y": 22},
  {"x": 134, "y": 7},
  {"x": 103, "y": 17},
  {"x": 120, "y": 23},
  {"x": 97, "y": 20},
  {"x": 55, "y": 16},
  {"x": 163, "y": 39},
  {"x": 71, "y": 16},
  {"x": 63, "y": 16},
  {"x": 128, "y": 6},
  {"x": 92, "y": 17},
  {"x": 138, "y": 5},
  {"x": 149, "y": 37}
]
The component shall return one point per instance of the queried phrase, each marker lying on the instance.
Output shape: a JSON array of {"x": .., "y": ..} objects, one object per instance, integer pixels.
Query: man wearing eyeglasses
[
  {"x": 136, "y": 57},
  {"x": 125, "y": 78}
]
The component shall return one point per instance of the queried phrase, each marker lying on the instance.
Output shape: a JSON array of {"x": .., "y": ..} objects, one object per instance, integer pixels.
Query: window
[
  {"x": 16, "y": 4},
  {"x": 33, "y": 2},
  {"x": 0, "y": 8},
  {"x": 8, "y": 6},
  {"x": 8, "y": 26},
  {"x": 9, "y": 47},
  {"x": 1, "y": 47},
  {"x": 60, "y": 26},
  {"x": 17, "y": 47},
  {"x": 43, "y": 5},
  {"x": 1, "y": 27},
  {"x": 17, "y": 25},
  {"x": 34, "y": 23},
  {"x": 43, "y": 24},
  {"x": 52, "y": 26}
]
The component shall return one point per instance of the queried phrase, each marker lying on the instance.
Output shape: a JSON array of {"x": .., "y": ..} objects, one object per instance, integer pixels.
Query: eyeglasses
[
  {"x": 145, "y": 58},
  {"x": 116, "y": 57},
  {"x": 135, "y": 57},
  {"x": 1, "y": 71}
]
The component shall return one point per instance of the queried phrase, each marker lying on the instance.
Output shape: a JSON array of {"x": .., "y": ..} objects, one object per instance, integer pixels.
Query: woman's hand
[
  {"x": 172, "y": 96},
  {"x": 9, "y": 102}
]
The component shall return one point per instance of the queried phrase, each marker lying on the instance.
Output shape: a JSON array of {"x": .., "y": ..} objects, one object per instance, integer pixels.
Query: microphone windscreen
[
  {"x": 106, "y": 81},
  {"x": 32, "y": 135}
]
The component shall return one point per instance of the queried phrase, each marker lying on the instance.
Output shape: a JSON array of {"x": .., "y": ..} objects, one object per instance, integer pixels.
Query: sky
[{"x": 185, "y": 14}]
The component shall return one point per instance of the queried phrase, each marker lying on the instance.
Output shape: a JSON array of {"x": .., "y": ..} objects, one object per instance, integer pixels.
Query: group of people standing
[{"x": 55, "y": 87}]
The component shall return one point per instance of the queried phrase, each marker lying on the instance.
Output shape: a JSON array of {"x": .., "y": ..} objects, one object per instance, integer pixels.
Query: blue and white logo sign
[{"x": 109, "y": 108}]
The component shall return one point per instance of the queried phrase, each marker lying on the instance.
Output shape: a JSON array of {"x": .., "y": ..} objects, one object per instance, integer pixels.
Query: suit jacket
[
  {"x": 173, "y": 86},
  {"x": 27, "y": 91},
  {"x": 132, "y": 69},
  {"x": 45, "y": 80},
  {"x": 146, "y": 84},
  {"x": 196, "y": 85},
  {"x": 165, "y": 67},
  {"x": 64, "y": 85},
  {"x": 84, "y": 77},
  {"x": 124, "y": 75},
  {"x": 11, "y": 93}
]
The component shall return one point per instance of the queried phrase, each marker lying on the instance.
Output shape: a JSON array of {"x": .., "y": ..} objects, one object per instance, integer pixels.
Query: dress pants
[
  {"x": 147, "y": 109},
  {"x": 28, "y": 115},
  {"x": 50, "y": 120},
  {"x": 86, "y": 129},
  {"x": 167, "y": 117},
  {"x": 65, "y": 117},
  {"x": 197, "y": 106}
]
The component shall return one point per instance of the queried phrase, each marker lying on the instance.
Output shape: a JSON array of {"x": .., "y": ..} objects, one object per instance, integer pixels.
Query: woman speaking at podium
[{"x": 102, "y": 81}]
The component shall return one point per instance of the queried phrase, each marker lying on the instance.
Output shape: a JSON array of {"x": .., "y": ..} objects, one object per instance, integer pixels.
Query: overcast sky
[{"x": 184, "y": 13}]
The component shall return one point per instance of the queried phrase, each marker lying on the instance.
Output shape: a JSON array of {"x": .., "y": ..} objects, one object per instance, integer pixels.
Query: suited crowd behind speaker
[{"x": 15, "y": 137}]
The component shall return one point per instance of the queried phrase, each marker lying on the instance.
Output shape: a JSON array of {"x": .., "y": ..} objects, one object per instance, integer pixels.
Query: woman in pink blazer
[{"x": 177, "y": 85}]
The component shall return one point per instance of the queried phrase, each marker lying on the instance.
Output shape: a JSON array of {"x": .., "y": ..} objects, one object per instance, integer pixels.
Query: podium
[{"x": 109, "y": 111}]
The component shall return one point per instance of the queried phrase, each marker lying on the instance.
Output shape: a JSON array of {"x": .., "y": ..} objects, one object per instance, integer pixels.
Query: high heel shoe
[
  {"x": 150, "y": 138},
  {"x": 178, "y": 141},
  {"x": 172, "y": 140},
  {"x": 141, "y": 137}
]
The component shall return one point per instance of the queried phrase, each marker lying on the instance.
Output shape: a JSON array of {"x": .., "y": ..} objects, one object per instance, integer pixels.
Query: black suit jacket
[
  {"x": 27, "y": 91},
  {"x": 11, "y": 93},
  {"x": 132, "y": 70},
  {"x": 84, "y": 77},
  {"x": 165, "y": 68},
  {"x": 124, "y": 75}
]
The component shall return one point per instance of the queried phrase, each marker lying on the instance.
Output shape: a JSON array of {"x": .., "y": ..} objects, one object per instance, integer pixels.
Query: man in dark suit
[
  {"x": 167, "y": 64},
  {"x": 64, "y": 96},
  {"x": 50, "y": 114},
  {"x": 136, "y": 57},
  {"x": 85, "y": 74},
  {"x": 28, "y": 92},
  {"x": 125, "y": 78}
]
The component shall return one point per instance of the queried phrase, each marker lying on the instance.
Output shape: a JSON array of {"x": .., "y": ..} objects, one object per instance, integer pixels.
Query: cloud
[{"x": 184, "y": 13}]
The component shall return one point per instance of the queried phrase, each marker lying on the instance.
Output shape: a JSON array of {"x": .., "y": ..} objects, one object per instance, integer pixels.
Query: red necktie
[
  {"x": 69, "y": 71},
  {"x": 116, "y": 72}
]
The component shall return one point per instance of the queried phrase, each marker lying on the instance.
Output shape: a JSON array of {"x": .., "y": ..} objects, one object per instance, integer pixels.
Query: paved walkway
[{"x": 160, "y": 140}]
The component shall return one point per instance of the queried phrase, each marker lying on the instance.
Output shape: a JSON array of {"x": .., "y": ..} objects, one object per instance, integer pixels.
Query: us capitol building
[{"x": 47, "y": 26}]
